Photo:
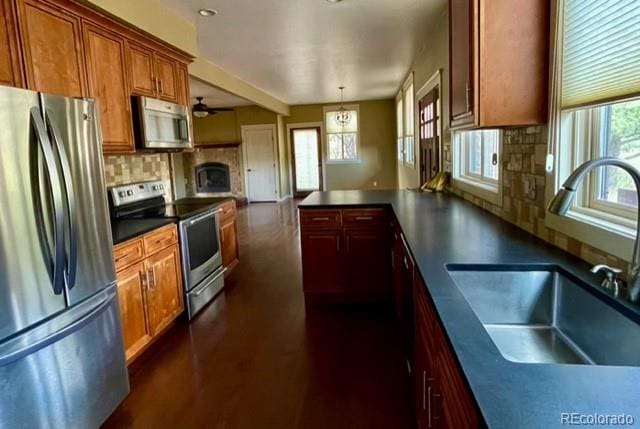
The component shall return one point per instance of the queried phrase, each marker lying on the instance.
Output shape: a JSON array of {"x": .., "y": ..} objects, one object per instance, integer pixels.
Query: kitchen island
[{"x": 440, "y": 230}]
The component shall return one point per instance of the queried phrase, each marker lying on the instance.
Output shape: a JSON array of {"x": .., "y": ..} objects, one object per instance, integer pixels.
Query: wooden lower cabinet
[
  {"x": 229, "y": 235},
  {"x": 131, "y": 297},
  {"x": 150, "y": 290},
  {"x": 322, "y": 262},
  {"x": 165, "y": 288},
  {"x": 346, "y": 255},
  {"x": 442, "y": 397}
]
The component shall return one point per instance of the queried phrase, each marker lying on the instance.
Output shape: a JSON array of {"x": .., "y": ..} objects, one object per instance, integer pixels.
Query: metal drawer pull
[
  {"x": 364, "y": 218},
  {"x": 319, "y": 219}
]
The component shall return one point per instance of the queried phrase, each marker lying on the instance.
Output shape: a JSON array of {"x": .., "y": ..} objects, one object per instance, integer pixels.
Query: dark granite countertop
[
  {"x": 442, "y": 229},
  {"x": 126, "y": 229}
]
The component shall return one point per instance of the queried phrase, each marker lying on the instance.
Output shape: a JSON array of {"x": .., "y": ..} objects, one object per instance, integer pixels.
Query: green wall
[{"x": 377, "y": 168}]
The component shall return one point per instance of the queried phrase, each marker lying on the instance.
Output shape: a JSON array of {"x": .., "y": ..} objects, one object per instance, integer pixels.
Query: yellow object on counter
[{"x": 437, "y": 184}]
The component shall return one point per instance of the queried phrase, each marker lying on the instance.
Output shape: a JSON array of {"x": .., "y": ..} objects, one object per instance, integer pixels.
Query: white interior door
[{"x": 260, "y": 164}]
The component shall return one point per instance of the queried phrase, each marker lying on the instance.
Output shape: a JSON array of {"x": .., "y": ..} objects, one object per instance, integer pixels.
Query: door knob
[{"x": 248, "y": 169}]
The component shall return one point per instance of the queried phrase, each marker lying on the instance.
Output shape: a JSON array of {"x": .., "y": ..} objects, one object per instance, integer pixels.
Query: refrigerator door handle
[
  {"x": 71, "y": 221},
  {"x": 58, "y": 207},
  {"x": 22, "y": 346}
]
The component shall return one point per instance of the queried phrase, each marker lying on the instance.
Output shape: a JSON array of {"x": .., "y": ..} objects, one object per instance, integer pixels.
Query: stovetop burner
[{"x": 146, "y": 201}]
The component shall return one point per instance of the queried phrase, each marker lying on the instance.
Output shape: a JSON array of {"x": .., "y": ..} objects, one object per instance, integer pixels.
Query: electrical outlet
[{"x": 529, "y": 187}]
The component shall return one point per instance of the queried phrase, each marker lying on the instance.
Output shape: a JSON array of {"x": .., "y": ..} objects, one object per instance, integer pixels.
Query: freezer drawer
[
  {"x": 204, "y": 292},
  {"x": 70, "y": 375}
]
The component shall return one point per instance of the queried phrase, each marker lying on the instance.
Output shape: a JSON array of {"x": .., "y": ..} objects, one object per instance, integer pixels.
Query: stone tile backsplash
[
  {"x": 124, "y": 169},
  {"x": 524, "y": 150}
]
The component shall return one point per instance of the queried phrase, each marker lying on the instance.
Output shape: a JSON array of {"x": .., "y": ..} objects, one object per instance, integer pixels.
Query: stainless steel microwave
[{"x": 160, "y": 125}]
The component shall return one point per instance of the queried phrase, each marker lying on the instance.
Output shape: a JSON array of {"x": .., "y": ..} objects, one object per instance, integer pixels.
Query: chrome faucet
[{"x": 563, "y": 199}]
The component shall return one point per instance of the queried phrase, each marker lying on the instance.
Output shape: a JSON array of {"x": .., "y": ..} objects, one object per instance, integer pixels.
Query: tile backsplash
[
  {"x": 124, "y": 169},
  {"x": 524, "y": 151}
]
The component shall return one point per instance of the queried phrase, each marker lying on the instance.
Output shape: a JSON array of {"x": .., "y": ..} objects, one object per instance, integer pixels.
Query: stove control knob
[
  {"x": 129, "y": 193},
  {"x": 122, "y": 194},
  {"x": 156, "y": 187}
]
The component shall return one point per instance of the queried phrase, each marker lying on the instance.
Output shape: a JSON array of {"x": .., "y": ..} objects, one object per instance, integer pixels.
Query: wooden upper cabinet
[
  {"x": 10, "y": 64},
  {"x": 131, "y": 297},
  {"x": 183, "y": 85},
  {"x": 52, "y": 48},
  {"x": 142, "y": 71},
  {"x": 105, "y": 57},
  {"x": 165, "y": 288},
  {"x": 498, "y": 62},
  {"x": 461, "y": 46},
  {"x": 167, "y": 71},
  {"x": 154, "y": 74}
]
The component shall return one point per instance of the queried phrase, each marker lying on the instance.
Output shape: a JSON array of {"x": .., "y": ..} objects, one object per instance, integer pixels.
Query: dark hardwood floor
[{"x": 256, "y": 358}]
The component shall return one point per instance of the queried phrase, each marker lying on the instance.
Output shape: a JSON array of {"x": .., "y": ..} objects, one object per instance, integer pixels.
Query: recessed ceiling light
[
  {"x": 334, "y": 1},
  {"x": 208, "y": 12}
]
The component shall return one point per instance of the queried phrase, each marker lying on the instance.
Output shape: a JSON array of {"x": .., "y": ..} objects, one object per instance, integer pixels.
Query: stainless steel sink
[{"x": 539, "y": 314}]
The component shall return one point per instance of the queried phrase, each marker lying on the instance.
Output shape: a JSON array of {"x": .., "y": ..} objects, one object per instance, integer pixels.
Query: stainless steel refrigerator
[{"x": 62, "y": 361}]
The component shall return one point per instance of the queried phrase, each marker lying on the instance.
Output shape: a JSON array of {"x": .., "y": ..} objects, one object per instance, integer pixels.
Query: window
[
  {"x": 400, "y": 127},
  {"x": 609, "y": 130},
  {"x": 476, "y": 167},
  {"x": 596, "y": 112},
  {"x": 409, "y": 152},
  {"x": 342, "y": 134}
]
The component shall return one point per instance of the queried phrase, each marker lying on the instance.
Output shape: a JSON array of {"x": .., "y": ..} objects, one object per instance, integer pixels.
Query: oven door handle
[
  {"x": 202, "y": 217},
  {"x": 202, "y": 288}
]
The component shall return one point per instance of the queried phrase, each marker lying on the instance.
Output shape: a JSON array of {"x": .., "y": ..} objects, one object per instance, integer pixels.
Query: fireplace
[{"x": 212, "y": 177}]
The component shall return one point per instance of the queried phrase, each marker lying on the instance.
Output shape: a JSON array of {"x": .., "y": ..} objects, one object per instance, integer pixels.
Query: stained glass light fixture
[{"x": 342, "y": 117}]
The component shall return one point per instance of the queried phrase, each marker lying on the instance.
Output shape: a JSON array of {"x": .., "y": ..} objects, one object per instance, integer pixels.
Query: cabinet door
[
  {"x": 131, "y": 297},
  {"x": 183, "y": 84},
  {"x": 165, "y": 301},
  {"x": 461, "y": 58},
  {"x": 52, "y": 47},
  {"x": 105, "y": 53},
  {"x": 321, "y": 261},
  {"x": 141, "y": 71},
  {"x": 366, "y": 262},
  {"x": 167, "y": 72},
  {"x": 229, "y": 242},
  {"x": 10, "y": 67}
]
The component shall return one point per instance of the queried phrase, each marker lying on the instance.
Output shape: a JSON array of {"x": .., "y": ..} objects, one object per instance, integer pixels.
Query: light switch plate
[{"x": 529, "y": 187}]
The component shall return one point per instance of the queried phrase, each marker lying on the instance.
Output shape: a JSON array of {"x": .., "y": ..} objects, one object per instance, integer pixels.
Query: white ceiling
[
  {"x": 300, "y": 51},
  {"x": 214, "y": 97}
]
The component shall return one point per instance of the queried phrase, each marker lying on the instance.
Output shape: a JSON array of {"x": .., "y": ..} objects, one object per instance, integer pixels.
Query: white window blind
[{"x": 600, "y": 51}]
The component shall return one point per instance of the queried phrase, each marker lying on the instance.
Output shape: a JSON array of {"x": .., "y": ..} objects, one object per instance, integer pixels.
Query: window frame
[
  {"x": 327, "y": 134},
  {"x": 484, "y": 187},
  {"x": 400, "y": 127},
  {"x": 409, "y": 125}
]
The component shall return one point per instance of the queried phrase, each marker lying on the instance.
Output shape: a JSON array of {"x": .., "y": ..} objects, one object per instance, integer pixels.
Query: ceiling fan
[{"x": 201, "y": 110}]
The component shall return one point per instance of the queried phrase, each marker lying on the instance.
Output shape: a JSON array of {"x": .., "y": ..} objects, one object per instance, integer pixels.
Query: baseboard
[{"x": 286, "y": 197}]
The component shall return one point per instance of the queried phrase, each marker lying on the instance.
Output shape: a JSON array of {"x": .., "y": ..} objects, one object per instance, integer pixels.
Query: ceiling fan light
[{"x": 200, "y": 114}]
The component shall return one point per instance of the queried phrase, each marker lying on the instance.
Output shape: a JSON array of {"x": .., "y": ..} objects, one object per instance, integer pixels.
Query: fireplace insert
[{"x": 212, "y": 177}]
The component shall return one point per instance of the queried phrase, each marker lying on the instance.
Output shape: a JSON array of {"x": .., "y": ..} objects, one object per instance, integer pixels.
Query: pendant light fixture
[{"x": 343, "y": 117}]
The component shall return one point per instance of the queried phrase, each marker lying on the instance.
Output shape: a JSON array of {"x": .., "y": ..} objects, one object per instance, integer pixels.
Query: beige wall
[
  {"x": 434, "y": 57},
  {"x": 377, "y": 146}
]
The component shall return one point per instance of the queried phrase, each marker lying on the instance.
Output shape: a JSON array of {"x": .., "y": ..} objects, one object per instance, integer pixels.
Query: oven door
[{"x": 200, "y": 245}]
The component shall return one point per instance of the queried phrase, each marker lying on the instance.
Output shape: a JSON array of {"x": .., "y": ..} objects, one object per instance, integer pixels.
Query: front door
[
  {"x": 429, "y": 107},
  {"x": 306, "y": 161},
  {"x": 261, "y": 164}
]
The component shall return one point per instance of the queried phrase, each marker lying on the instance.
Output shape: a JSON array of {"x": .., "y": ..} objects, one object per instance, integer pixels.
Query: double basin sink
[{"x": 542, "y": 314}]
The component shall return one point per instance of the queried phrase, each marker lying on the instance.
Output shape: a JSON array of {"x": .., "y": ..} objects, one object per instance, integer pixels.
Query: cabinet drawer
[
  {"x": 363, "y": 217},
  {"x": 128, "y": 253},
  {"x": 320, "y": 218},
  {"x": 160, "y": 239},
  {"x": 227, "y": 210}
]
